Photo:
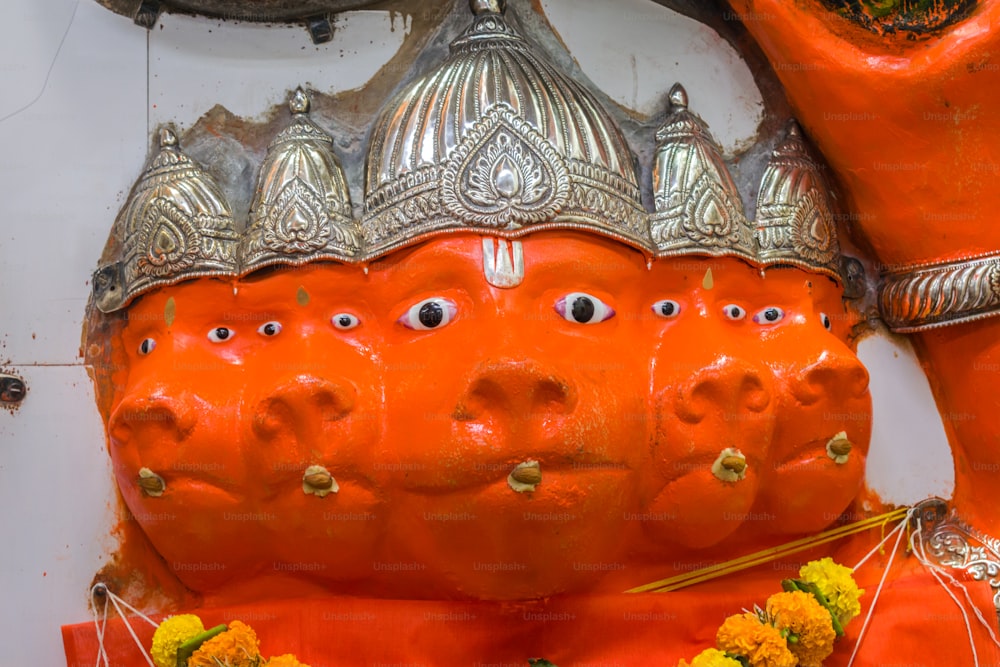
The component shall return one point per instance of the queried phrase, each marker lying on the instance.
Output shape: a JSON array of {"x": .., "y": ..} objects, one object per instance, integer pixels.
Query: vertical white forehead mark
[{"x": 503, "y": 262}]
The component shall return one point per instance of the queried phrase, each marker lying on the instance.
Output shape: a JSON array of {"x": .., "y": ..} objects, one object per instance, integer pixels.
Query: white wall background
[{"x": 82, "y": 91}]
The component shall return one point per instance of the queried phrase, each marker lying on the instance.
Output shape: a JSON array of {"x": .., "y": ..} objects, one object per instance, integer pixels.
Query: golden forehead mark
[
  {"x": 170, "y": 311},
  {"x": 708, "y": 282},
  {"x": 302, "y": 296}
]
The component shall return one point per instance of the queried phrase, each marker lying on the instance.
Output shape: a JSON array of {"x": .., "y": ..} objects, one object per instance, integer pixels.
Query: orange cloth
[{"x": 915, "y": 623}]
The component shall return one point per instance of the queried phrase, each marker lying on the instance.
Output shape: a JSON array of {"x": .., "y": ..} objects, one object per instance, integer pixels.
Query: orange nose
[
  {"x": 301, "y": 407},
  {"x": 834, "y": 377},
  {"x": 152, "y": 418},
  {"x": 515, "y": 389},
  {"x": 732, "y": 386}
]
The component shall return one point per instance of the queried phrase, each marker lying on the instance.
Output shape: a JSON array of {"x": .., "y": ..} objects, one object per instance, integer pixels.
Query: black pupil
[
  {"x": 668, "y": 308},
  {"x": 826, "y": 321},
  {"x": 145, "y": 347},
  {"x": 734, "y": 312},
  {"x": 270, "y": 329},
  {"x": 431, "y": 314},
  {"x": 344, "y": 320},
  {"x": 222, "y": 333},
  {"x": 583, "y": 309},
  {"x": 771, "y": 314}
]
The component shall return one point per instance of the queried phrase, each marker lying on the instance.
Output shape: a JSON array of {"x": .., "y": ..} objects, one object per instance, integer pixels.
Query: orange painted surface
[
  {"x": 625, "y": 416},
  {"x": 910, "y": 129}
]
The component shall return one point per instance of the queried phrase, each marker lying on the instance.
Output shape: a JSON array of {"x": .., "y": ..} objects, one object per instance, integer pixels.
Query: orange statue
[{"x": 470, "y": 420}]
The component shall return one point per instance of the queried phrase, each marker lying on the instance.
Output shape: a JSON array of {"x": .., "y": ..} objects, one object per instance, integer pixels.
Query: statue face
[
  {"x": 176, "y": 416},
  {"x": 313, "y": 404},
  {"x": 229, "y": 401},
  {"x": 711, "y": 398},
  {"x": 485, "y": 379},
  {"x": 823, "y": 398}
]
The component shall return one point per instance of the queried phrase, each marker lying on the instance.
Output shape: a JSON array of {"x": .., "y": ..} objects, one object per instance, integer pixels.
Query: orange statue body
[{"x": 470, "y": 421}]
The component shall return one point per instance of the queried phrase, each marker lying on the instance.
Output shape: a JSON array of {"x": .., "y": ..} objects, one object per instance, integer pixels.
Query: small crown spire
[
  {"x": 301, "y": 211},
  {"x": 678, "y": 98},
  {"x": 698, "y": 208},
  {"x": 794, "y": 222},
  {"x": 168, "y": 138},
  {"x": 481, "y": 7},
  {"x": 299, "y": 102},
  {"x": 175, "y": 225}
]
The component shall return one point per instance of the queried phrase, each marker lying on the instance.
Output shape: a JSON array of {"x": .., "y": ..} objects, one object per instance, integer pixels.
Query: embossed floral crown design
[{"x": 495, "y": 140}]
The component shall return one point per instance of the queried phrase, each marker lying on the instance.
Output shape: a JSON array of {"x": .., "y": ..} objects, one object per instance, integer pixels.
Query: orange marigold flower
[
  {"x": 286, "y": 660},
  {"x": 835, "y": 582},
  {"x": 236, "y": 647},
  {"x": 760, "y": 643},
  {"x": 801, "y": 615},
  {"x": 711, "y": 657}
]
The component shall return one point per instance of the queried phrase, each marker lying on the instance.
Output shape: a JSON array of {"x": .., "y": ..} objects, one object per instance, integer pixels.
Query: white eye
[
  {"x": 667, "y": 308},
  {"x": 147, "y": 346},
  {"x": 825, "y": 319},
  {"x": 345, "y": 321},
  {"x": 221, "y": 334},
  {"x": 583, "y": 308},
  {"x": 432, "y": 313},
  {"x": 269, "y": 329},
  {"x": 769, "y": 315},
  {"x": 734, "y": 312}
]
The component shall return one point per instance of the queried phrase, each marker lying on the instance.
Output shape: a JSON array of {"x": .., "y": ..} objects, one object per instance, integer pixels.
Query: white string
[
  {"x": 884, "y": 540},
  {"x": 118, "y": 604},
  {"x": 881, "y": 583},
  {"x": 99, "y": 627},
  {"x": 938, "y": 572},
  {"x": 134, "y": 610}
]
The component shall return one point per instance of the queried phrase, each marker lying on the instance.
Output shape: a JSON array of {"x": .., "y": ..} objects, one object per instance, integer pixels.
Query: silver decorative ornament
[
  {"x": 928, "y": 296},
  {"x": 301, "y": 211},
  {"x": 176, "y": 225},
  {"x": 794, "y": 223},
  {"x": 497, "y": 140},
  {"x": 698, "y": 208}
]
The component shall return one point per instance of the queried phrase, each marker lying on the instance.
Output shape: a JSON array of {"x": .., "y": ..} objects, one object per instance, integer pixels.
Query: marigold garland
[
  {"x": 835, "y": 582},
  {"x": 803, "y": 618},
  {"x": 797, "y": 628},
  {"x": 236, "y": 646},
  {"x": 761, "y": 643},
  {"x": 171, "y": 633}
]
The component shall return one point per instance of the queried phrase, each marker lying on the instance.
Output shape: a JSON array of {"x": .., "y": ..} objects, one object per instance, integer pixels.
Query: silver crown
[
  {"x": 794, "y": 222},
  {"x": 497, "y": 140},
  {"x": 176, "y": 225},
  {"x": 301, "y": 211},
  {"x": 698, "y": 208}
]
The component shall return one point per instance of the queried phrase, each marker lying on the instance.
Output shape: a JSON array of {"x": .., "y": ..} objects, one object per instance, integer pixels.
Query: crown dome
[
  {"x": 301, "y": 210},
  {"x": 497, "y": 139},
  {"x": 698, "y": 210},
  {"x": 794, "y": 222},
  {"x": 175, "y": 225}
]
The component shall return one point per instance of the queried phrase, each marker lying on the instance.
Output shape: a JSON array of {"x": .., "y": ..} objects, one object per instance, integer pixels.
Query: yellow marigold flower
[
  {"x": 286, "y": 660},
  {"x": 762, "y": 644},
  {"x": 836, "y": 584},
  {"x": 803, "y": 616},
  {"x": 170, "y": 634},
  {"x": 711, "y": 657},
  {"x": 236, "y": 647}
]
